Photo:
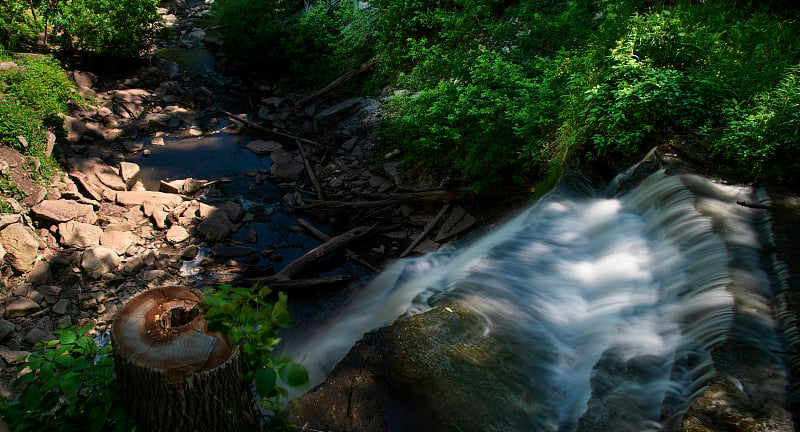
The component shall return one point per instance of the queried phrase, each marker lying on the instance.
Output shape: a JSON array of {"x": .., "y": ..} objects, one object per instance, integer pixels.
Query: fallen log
[
  {"x": 267, "y": 130},
  {"x": 313, "y": 256},
  {"x": 311, "y": 173},
  {"x": 324, "y": 237},
  {"x": 347, "y": 76}
]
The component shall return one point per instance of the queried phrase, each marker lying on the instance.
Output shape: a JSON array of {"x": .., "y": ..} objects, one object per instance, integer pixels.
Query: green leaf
[
  {"x": 294, "y": 374},
  {"x": 280, "y": 313},
  {"x": 69, "y": 387},
  {"x": 265, "y": 381},
  {"x": 68, "y": 337},
  {"x": 31, "y": 396}
]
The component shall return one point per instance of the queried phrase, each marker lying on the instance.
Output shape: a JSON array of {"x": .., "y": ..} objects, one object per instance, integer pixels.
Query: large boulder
[
  {"x": 99, "y": 260},
  {"x": 216, "y": 227},
  {"x": 20, "y": 245}
]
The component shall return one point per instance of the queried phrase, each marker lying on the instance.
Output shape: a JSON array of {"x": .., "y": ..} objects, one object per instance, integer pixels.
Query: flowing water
[{"x": 601, "y": 302}]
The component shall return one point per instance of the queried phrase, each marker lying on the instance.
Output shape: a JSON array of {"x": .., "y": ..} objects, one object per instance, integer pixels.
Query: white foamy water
[{"x": 608, "y": 299}]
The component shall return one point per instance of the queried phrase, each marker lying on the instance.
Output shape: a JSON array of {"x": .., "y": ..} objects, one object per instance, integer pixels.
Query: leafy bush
[
  {"x": 115, "y": 28},
  {"x": 249, "y": 320},
  {"x": 18, "y": 24},
  {"x": 67, "y": 385}
]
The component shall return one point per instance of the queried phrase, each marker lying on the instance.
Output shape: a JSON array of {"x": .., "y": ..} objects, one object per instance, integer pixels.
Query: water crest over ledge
[{"x": 654, "y": 310}]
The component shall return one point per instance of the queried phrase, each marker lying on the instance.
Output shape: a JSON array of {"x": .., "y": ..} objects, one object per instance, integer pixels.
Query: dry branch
[
  {"x": 311, "y": 257},
  {"x": 266, "y": 130},
  {"x": 388, "y": 200},
  {"x": 426, "y": 230},
  {"x": 324, "y": 237},
  {"x": 339, "y": 81},
  {"x": 311, "y": 173}
]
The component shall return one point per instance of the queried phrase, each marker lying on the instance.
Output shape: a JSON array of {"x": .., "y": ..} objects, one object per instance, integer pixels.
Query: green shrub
[
  {"x": 249, "y": 320},
  {"x": 67, "y": 385},
  {"x": 115, "y": 28},
  {"x": 18, "y": 24},
  {"x": 762, "y": 136}
]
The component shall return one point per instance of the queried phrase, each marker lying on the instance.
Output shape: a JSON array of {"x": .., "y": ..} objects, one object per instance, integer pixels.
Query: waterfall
[{"x": 613, "y": 312}]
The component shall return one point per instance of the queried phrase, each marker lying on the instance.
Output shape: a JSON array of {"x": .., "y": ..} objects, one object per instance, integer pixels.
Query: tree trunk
[{"x": 175, "y": 375}]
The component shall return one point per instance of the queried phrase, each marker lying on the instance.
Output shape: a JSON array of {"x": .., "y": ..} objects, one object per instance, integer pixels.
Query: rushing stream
[{"x": 607, "y": 310}]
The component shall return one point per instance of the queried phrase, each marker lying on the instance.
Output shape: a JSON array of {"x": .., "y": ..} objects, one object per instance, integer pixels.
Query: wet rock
[
  {"x": 56, "y": 210},
  {"x": 21, "y": 307},
  {"x": 6, "y": 328},
  {"x": 133, "y": 146},
  {"x": 233, "y": 210},
  {"x": 189, "y": 252},
  {"x": 118, "y": 241},
  {"x": 200, "y": 96},
  {"x": 20, "y": 245},
  {"x": 177, "y": 234},
  {"x": 285, "y": 168},
  {"x": 40, "y": 274},
  {"x": 260, "y": 147},
  {"x": 251, "y": 237},
  {"x": 128, "y": 171},
  {"x": 79, "y": 235},
  {"x": 99, "y": 260},
  {"x": 215, "y": 228},
  {"x": 168, "y": 68}
]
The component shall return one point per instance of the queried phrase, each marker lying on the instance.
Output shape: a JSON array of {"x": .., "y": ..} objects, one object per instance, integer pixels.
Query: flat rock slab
[
  {"x": 56, "y": 210},
  {"x": 118, "y": 241},
  {"x": 260, "y": 147},
  {"x": 78, "y": 234},
  {"x": 21, "y": 307},
  {"x": 177, "y": 234},
  {"x": 136, "y": 198},
  {"x": 97, "y": 171},
  {"x": 99, "y": 260}
]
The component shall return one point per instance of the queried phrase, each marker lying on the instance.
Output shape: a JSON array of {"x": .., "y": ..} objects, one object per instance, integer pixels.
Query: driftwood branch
[
  {"x": 755, "y": 206},
  {"x": 324, "y": 237},
  {"x": 333, "y": 245},
  {"x": 311, "y": 173},
  {"x": 267, "y": 130},
  {"x": 426, "y": 230},
  {"x": 347, "y": 76}
]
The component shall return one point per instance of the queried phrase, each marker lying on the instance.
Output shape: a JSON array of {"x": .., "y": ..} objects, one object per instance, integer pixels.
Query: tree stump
[{"x": 175, "y": 375}]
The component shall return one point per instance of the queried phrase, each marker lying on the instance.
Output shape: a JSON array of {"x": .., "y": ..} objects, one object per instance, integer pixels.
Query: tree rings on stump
[{"x": 175, "y": 375}]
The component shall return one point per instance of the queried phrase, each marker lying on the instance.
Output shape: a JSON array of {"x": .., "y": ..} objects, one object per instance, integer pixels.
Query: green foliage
[
  {"x": 115, "y": 28},
  {"x": 251, "y": 322},
  {"x": 67, "y": 384},
  {"x": 9, "y": 189},
  {"x": 762, "y": 136},
  {"x": 18, "y": 24}
]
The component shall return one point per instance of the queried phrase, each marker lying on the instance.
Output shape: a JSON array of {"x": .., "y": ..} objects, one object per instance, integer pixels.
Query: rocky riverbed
[{"x": 177, "y": 174}]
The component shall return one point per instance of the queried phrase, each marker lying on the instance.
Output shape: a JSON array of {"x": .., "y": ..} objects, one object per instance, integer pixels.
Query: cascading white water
[{"x": 599, "y": 301}]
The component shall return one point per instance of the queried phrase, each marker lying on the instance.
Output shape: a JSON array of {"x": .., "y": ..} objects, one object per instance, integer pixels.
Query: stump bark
[{"x": 175, "y": 375}]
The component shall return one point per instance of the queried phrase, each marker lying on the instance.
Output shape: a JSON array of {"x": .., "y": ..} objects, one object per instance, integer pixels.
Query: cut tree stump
[{"x": 175, "y": 375}]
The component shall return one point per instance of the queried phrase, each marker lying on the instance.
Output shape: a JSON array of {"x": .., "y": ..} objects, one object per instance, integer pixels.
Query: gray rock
[
  {"x": 216, "y": 228},
  {"x": 21, "y": 307},
  {"x": 6, "y": 328},
  {"x": 328, "y": 118},
  {"x": 285, "y": 168},
  {"x": 169, "y": 68},
  {"x": 36, "y": 335},
  {"x": 40, "y": 274},
  {"x": 62, "y": 307},
  {"x": 79, "y": 235},
  {"x": 189, "y": 252},
  {"x": 20, "y": 245},
  {"x": 11, "y": 356},
  {"x": 233, "y": 210},
  {"x": 136, "y": 198},
  {"x": 133, "y": 265},
  {"x": 260, "y": 147},
  {"x": 9, "y": 66},
  {"x": 99, "y": 260}
]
